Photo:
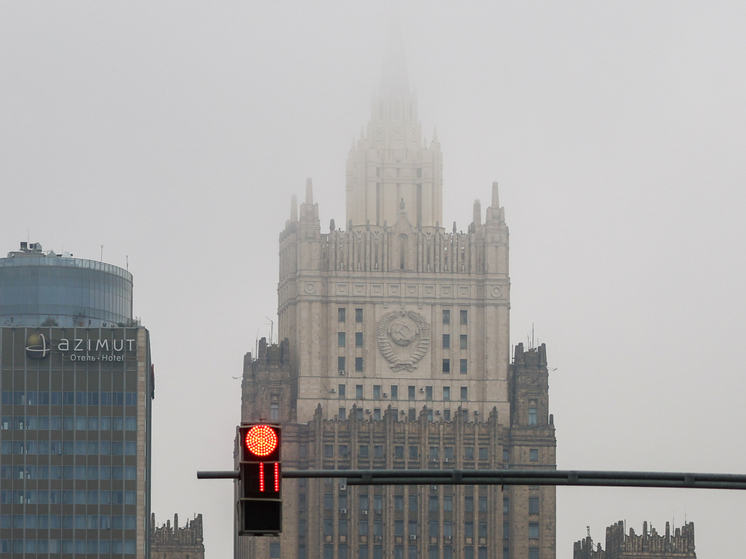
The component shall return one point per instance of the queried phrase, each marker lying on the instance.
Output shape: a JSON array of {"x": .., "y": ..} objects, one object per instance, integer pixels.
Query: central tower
[
  {"x": 395, "y": 353},
  {"x": 392, "y": 163}
]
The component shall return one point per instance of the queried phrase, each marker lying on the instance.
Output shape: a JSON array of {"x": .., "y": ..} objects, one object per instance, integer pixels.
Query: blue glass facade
[
  {"x": 74, "y": 442},
  {"x": 35, "y": 287}
]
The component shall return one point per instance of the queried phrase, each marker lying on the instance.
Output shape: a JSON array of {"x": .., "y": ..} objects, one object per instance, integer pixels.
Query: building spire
[
  {"x": 394, "y": 78},
  {"x": 495, "y": 196},
  {"x": 309, "y": 191}
]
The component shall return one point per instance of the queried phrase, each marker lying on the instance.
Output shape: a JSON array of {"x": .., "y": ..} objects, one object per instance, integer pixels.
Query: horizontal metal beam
[
  {"x": 528, "y": 477},
  {"x": 218, "y": 475}
]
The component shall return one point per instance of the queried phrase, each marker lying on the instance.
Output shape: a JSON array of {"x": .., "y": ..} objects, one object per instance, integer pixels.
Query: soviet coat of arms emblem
[{"x": 403, "y": 338}]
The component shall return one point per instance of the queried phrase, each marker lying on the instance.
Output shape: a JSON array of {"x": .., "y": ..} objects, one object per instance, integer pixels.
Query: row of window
[
  {"x": 463, "y": 316},
  {"x": 433, "y": 503},
  {"x": 342, "y": 315},
  {"x": 342, "y": 340},
  {"x": 115, "y": 547},
  {"x": 68, "y": 472},
  {"x": 69, "y": 521},
  {"x": 414, "y": 452},
  {"x": 79, "y": 448},
  {"x": 34, "y": 398},
  {"x": 411, "y": 414},
  {"x": 411, "y": 392},
  {"x": 413, "y": 527},
  {"x": 68, "y": 423},
  {"x": 463, "y": 364},
  {"x": 55, "y": 497},
  {"x": 412, "y": 552}
]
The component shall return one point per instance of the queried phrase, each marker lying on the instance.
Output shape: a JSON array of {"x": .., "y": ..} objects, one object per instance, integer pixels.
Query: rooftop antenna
[
  {"x": 588, "y": 528},
  {"x": 271, "y": 329},
  {"x": 127, "y": 261},
  {"x": 102, "y": 253}
]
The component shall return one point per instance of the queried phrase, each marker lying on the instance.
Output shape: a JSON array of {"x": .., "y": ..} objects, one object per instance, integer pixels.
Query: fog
[{"x": 175, "y": 133}]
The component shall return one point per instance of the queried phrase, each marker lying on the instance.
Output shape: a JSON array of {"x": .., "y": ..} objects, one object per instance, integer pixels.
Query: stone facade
[
  {"x": 648, "y": 545},
  {"x": 174, "y": 542},
  {"x": 395, "y": 353}
]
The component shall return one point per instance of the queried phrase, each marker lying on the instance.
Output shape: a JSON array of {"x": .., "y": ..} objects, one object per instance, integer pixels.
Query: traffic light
[{"x": 259, "y": 503}]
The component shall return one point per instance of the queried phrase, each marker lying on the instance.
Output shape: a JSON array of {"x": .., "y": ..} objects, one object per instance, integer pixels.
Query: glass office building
[
  {"x": 62, "y": 290},
  {"x": 74, "y": 427}
]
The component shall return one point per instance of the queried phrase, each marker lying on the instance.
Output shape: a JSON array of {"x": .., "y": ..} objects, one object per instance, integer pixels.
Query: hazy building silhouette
[
  {"x": 177, "y": 542},
  {"x": 75, "y": 414},
  {"x": 648, "y": 545},
  {"x": 395, "y": 353}
]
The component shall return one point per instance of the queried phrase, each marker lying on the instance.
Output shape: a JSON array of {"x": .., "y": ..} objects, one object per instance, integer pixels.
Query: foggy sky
[{"x": 175, "y": 133}]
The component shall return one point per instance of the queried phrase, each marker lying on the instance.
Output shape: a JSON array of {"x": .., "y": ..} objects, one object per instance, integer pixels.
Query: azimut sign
[{"x": 80, "y": 349}]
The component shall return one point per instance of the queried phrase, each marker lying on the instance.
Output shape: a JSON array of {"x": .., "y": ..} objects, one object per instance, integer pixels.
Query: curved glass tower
[
  {"x": 58, "y": 290},
  {"x": 76, "y": 386}
]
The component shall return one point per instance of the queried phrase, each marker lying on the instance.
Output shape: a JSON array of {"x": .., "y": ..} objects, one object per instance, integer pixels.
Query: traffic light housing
[{"x": 259, "y": 502}]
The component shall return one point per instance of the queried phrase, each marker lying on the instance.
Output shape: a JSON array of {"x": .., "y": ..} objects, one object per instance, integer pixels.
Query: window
[
  {"x": 533, "y": 455},
  {"x": 446, "y": 341},
  {"x": 341, "y": 315},
  {"x": 341, "y": 363},
  {"x": 446, "y": 316},
  {"x": 469, "y": 453},
  {"x": 469, "y": 529},
  {"x": 533, "y": 505},
  {"x": 328, "y": 551},
  {"x": 506, "y": 553},
  {"x": 274, "y": 412},
  {"x": 434, "y": 452},
  {"x": 358, "y": 339},
  {"x": 484, "y": 453},
  {"x": 463, "y": 366},
  {"x": 328, "y": 505},
  {"x": 463, "y": 340},
  {"x": 469, "y": 504},
  {"x": 446, "y": 415},
  {"x": 464, "y": 317},
  {"x": 342, "y": 526},
  {"x": 364, "y": 451},
  {"x": 329, "y": 451},
  {"x": 398, "y": 527},
  {"x": 413, "y": 452},
  {"x": 482, "y": 503},
  {"x": 358, "y": 315},
  {"x": 363, "y": 499},
  {"x": 446, "y": 393},
  {"x": 506, "y": 529},
  {"x": 482, "y": 530},
  {"x": 358, "y": 364},
  {"x": 428, "y": 393},
  {"x": 464, "y": 393},
  {"x": 378, "y": 527},
  {"x": 532, "y": 412},
  {"x": 446, "y": 366},
  {"x": 433, "y": 503},
  {"x": 394, "y": 392},
  {"x": 378, "y": 451},
  {"x": 376, "y": 414},
  {"x": 469, "y": 553},
  {"x": 359, "y": 391},
  {"x": 447, "y": 504},
  {"x": 412, "y": 414},
  {"x": 362, "y": 528},
  {"x": 341, "y": 340},
  {"x": 398, "y": 502},
  {"x": 448, "y": 452},
  {"x": 410, "y": 392},
  {"x": 341, "y": 391},
  {"x": 342, "y": 450},
  {"x": 533, "y": 530},
  {"x": 533, "y": 553},
  {"x": 399, "y": 452},
  {"x": 506, "y": 455},
  {"x": 506, "y": 505},
  {"x": 274, "y": 550},
  {"x": 413, "y": 507},
  {"x": 342, "y": 414}
]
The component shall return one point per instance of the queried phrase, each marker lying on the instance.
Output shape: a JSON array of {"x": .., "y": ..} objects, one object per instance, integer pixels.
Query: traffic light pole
[{"x": 515, "y": 477}]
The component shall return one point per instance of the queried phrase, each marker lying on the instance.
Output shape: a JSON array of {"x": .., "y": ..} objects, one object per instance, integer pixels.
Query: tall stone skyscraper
[{"x": 395, "y": 353}]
